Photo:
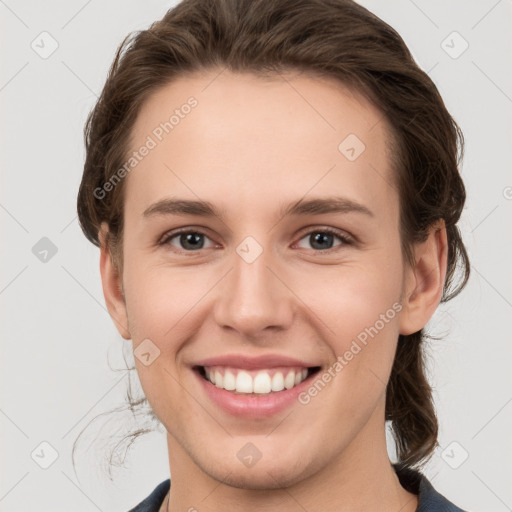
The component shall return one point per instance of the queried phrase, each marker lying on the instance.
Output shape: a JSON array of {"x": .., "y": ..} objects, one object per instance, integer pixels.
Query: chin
[
  {"x": 274, "y": 473},
  {"x": 258, "y": 480}
]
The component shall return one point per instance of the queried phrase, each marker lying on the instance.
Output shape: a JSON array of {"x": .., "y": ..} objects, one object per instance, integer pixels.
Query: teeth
[
  {"x": 278, "y": 382},
  {"x": 243, "y": 382},
  {"x": 260, "y": 381},
  {"x": 289, "y": 380},
  {"x": 229, "y": 381},
  {"x": 219, "y": 379}
]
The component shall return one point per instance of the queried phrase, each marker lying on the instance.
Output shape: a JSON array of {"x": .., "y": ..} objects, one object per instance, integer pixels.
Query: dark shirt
[{"x": 429, "y": 500}]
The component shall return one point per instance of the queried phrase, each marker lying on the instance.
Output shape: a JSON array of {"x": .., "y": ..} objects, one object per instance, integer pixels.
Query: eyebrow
[{"x": 317, "y": 206}]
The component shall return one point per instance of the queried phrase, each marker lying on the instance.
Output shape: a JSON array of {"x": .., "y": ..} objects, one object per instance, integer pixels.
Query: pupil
[
  {"x": 193, "y": 239},
  {"x": 319, "y": 238}
]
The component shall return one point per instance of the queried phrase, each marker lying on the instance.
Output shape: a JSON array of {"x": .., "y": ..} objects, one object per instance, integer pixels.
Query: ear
[
  {"x": 112, "y": 286},
  {"x": 424, "y": 282}
]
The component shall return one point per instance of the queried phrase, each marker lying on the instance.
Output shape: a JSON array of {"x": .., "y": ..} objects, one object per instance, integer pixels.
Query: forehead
[{"x": 214, "y": 133}]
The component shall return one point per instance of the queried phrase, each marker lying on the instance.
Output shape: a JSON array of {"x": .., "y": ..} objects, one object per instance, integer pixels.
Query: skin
[{"x": 250, "y": 146}]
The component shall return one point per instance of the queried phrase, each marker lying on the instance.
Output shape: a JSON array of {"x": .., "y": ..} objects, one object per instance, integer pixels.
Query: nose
[{"x": 254, "y": 297}]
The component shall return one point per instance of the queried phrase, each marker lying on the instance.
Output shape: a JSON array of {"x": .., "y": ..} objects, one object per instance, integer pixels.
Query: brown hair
[{"x": 326, "y": 38}]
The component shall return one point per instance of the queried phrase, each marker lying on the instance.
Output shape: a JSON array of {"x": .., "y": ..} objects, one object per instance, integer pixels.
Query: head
[{"x": 260, "y": 109}]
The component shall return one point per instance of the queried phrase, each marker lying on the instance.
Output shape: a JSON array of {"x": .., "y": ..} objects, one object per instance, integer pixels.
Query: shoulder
[
  {"x": 429, "y": 500},
  {"x": 153, "y": 502}
]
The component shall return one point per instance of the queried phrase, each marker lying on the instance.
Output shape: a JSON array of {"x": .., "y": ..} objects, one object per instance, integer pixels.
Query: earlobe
[
  {"x": 424, "y": 282},
  {"x": 112, "y": 286}
]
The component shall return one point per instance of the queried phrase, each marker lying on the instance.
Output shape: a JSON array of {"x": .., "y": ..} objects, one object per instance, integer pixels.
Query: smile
[{"x": 255, "y": 400}]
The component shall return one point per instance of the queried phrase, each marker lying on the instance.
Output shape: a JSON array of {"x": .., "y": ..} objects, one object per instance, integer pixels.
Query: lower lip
[{"x": 250, "y": 405}]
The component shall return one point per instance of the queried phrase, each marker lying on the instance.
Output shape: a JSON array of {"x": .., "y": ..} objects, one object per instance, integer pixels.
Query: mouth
[{"x": 261, "y": 382}]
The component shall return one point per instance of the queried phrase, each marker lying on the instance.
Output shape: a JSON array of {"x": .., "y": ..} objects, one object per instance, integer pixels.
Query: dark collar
[{"x": 429, "y": 500}]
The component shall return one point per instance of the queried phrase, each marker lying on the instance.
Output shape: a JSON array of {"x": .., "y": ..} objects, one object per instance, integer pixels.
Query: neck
[{"x": 361, "y": 478}]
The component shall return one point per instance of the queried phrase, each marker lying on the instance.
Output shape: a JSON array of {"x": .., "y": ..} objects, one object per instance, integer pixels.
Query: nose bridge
[{"x": 253, "y": 297}]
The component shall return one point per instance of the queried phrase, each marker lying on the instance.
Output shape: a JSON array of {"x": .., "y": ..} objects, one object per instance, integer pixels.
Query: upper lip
[{"x": 254, "y": 363}]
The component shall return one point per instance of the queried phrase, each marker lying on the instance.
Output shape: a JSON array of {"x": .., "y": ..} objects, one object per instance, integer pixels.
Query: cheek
[
  {"x": 163, "y": 305},
  {"x": 360, "y": 308},
  {"x": 159, "y": 299},
  {"x": 352, "y": 298},
  {"x": 359, "y": 311}
]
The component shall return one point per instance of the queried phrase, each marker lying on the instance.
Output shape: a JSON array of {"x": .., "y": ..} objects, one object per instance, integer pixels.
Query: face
[{"x": 294, "y": 265}]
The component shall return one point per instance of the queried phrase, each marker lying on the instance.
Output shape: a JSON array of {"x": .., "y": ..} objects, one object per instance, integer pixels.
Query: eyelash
[{"x": 345, "y": 239}]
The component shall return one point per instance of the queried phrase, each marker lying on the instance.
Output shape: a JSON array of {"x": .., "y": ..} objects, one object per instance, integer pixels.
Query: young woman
[{"x": 274, "y": 187}]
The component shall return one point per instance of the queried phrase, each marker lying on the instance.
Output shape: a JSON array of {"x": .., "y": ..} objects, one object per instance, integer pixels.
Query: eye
[
  {"x": 322, "y": 239},
  {"x": 188, "y": 241}
]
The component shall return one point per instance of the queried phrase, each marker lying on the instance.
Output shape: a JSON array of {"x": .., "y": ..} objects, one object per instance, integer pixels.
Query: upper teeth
[{"x": 259, "y": 381}]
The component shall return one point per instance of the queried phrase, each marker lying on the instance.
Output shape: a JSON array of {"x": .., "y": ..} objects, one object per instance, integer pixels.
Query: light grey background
[{"x": 57, "y": 338}]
